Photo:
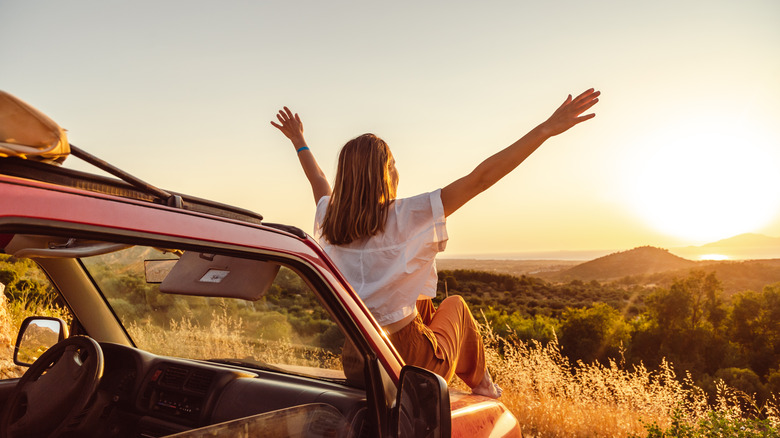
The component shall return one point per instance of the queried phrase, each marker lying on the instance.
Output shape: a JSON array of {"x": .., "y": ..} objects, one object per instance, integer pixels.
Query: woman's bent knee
[{"x": 455, "y": 301}]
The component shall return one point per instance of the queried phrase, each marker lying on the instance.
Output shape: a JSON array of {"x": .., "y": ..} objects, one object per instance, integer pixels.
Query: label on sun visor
[{"x": 214, "y": 276}]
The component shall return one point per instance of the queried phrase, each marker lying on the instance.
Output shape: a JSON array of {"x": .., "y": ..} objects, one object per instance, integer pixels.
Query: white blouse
[{"x": 391, "y": 270}]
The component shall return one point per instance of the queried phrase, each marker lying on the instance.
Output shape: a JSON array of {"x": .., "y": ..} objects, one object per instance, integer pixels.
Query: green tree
[
  {"x": 683, "y": 325},
  {"x": 8, "y": 276},
  {"x": 704, "y": 290},
  {"x": 670, "y": 309},
  {"x": 596, "y": 333},
  {"x": 754, "y": 324},
  {"x": 451, "y": 284},
  {"x": 689, "y": 303}
]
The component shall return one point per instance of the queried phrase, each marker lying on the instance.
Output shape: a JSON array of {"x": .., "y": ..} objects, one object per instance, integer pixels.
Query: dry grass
[
  {"x": 225, "y": 337},
  {"x": 185, "y": 338},
  {"x": 552, "y": 397}
]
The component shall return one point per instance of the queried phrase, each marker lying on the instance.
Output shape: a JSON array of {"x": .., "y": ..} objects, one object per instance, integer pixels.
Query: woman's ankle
[{"x": 487, "y": 387}]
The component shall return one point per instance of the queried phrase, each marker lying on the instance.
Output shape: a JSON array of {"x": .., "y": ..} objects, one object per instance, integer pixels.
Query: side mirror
[
  {"x": 423, "y": 405},
  {"x": 36, "y": 335}
]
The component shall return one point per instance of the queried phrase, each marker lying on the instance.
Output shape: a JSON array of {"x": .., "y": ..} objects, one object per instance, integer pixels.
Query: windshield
[{"x": 283, "y": 326}]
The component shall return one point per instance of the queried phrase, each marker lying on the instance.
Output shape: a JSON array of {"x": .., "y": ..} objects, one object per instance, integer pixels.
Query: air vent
[
  {"x": 174, "y": 377},
  {"x": 199, "y": 381}
]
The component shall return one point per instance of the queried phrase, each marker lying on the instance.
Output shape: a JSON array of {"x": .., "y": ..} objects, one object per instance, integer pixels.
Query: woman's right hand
[{"x": 291, "y": 126}]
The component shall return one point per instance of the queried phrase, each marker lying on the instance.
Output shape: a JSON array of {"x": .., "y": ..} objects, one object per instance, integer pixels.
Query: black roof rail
[
  {"x": 127, "y": 187},
  {"x": 169, "y": 199},
  {"x": 288, "y": 228}
]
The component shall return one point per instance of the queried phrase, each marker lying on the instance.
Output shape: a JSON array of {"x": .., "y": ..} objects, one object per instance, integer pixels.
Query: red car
[{"x": 176, "y": 316}]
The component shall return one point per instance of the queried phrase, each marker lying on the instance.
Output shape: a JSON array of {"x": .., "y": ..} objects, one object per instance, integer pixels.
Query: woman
[{"x": 386, "y": 247}]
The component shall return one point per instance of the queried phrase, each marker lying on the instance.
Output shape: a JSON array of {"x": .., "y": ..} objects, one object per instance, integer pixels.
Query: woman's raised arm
[
  {"x": 291, "y": 126},
  {"x": 500, "y": 164}
]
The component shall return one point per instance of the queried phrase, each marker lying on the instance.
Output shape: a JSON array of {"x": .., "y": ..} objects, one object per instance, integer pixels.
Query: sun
[{"x": 706, "y": 181}]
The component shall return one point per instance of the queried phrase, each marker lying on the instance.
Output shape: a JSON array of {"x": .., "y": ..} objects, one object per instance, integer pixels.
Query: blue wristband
[{"x": 304, "y": 148}]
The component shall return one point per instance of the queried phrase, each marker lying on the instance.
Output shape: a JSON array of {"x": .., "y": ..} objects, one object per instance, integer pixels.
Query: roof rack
[
  {"x": 127, "y": 187},
  {"x": 169, "y": 199}
]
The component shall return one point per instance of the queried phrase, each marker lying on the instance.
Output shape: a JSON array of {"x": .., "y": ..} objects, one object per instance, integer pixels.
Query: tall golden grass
[
  {"x": 224, "y": 337},
  {"x": 552, "y": 397}
]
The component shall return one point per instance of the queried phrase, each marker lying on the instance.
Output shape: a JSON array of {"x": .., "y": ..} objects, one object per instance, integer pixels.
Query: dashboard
[{"x": 145, "y": 395}]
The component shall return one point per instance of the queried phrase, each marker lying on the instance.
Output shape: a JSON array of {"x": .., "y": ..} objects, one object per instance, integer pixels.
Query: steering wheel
[{"x": 54, "y": 391}]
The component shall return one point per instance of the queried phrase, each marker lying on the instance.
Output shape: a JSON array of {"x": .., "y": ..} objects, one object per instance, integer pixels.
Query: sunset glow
[
  {"x": 714, "y": 257},
  {"x": 706, "y": 181},
  {"x": 684, "y": 149}
]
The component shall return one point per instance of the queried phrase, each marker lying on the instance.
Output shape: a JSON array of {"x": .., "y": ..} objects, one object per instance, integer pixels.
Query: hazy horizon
[{"x": 708, "y": 251}]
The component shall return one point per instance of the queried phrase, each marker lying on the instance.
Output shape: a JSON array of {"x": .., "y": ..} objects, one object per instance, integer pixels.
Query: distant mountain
[
  {"x": 643, "y": 260},
  {"x": 744, "y": 246},
  {"x": 747, "y": 240}
]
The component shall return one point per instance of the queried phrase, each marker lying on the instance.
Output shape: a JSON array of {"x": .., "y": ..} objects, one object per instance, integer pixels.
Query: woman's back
[{"x": 394, "y": 268}]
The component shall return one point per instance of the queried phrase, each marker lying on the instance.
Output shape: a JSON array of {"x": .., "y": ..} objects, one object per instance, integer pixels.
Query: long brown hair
[{"x": 362, "y": 192}]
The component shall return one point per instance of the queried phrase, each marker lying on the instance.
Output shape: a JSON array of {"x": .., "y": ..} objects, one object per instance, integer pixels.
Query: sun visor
[
  {"x": 27, "y": 133},
  {"x": 212, "y": 275}
]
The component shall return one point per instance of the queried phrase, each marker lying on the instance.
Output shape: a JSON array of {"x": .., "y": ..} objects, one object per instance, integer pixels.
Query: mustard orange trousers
[{"x": 444, "y": 340}]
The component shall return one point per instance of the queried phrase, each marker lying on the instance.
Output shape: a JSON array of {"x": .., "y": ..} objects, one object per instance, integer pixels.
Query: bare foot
[{"x": 487, "y": 388}]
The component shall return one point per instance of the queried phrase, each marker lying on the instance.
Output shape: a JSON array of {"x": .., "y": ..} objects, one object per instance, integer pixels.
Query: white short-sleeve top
[{"x": 391, "y": 270}]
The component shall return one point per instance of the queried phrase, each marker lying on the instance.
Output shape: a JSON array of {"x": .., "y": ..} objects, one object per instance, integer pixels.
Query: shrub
[{"x": 744, "y": 380}]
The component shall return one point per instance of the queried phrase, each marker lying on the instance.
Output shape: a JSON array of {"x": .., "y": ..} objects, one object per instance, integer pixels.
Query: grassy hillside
[
  {"x": 643, "y": 267},
  {"x": 530, "y": 296},
  {"x": 736, "y": 276}
]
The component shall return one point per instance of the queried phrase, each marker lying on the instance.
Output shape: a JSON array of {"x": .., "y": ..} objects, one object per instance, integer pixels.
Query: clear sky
[{"x": 684, "y": 150}]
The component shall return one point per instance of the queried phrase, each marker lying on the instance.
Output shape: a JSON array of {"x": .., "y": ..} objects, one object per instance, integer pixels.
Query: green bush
[
  {"x": 744, "y": 380},
  {"x": 716, "y": 425}
]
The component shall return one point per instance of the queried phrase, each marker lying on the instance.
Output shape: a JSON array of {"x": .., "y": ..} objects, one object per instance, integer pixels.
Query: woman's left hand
[{"x": 568, "y": 114}]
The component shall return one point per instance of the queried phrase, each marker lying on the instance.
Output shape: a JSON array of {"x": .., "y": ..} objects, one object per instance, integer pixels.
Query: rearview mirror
[{"x": 423, "y": 404}]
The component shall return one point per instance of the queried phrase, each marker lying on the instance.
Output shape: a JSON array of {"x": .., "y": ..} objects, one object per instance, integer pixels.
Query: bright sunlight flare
[{"x": 702, "y": 180}]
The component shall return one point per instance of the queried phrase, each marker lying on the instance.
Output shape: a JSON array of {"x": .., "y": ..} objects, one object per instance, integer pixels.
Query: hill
[{"x": 641, "y": 261}]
